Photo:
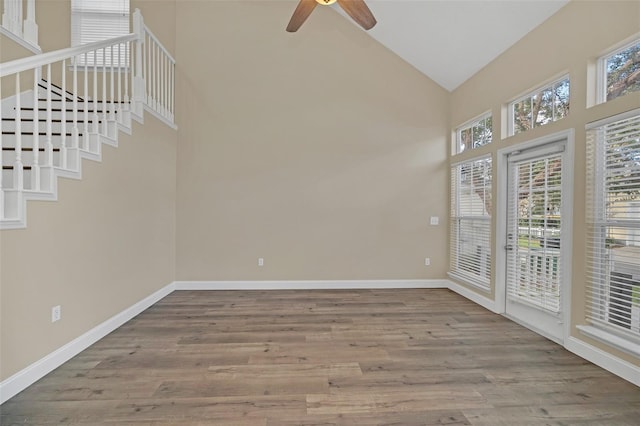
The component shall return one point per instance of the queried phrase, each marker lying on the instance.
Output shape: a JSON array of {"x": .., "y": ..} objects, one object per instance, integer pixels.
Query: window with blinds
[
  {"x": 613, "y": 228},
  {"x": 471, "y": 207},
  {"x": 96, "y": 20}
]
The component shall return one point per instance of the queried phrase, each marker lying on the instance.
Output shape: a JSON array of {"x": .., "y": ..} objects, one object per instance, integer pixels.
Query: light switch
[{"x": 435, "y": 220}]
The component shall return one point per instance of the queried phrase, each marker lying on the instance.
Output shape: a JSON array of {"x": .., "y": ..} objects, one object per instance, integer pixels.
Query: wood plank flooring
[{"x": 361, "y": 357}]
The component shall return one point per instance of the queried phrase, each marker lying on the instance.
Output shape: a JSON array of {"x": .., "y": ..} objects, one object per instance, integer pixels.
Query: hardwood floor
[{"x": 362, "y": 357}]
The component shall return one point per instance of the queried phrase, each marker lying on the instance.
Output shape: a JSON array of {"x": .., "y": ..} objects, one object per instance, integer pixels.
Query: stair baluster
[
  {"x": 119, "y": 86},
  {"x": 35, "y": 166},
  {"x": 75, "y": 132},
  {"x": 94, "y": 113},
  {"x": 112, "y": 88},
  {"x": 85, "y": 94},
  {"x": 104, "y": 92},
  {"x": 18, "y": 175},
  {"x": 63, "y": 117},
  {"x": 49, "y": 140}
]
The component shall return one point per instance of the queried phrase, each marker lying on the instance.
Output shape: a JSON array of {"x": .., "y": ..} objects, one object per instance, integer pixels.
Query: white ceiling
[{"x": 451, "y": 40}]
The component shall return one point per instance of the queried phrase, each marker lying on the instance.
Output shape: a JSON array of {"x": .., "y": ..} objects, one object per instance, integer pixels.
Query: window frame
[
  {"x": 598, "y": 324},
  {"x": 601, "y": 67},
  {"x": 530, "y": 94},
  {"x": 469, "y": 125},
  {"x": 455, "y": 272}
]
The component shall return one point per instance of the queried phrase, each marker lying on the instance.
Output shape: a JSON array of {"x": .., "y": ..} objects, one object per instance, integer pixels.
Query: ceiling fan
[{"x": 357, "y": 9}]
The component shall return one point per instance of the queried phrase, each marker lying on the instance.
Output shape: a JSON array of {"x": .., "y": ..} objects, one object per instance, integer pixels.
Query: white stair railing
[
  {"x": 100, "y": 87},
  {"x": 159, "y": 70},
  {"x": 12, "y": 14}
]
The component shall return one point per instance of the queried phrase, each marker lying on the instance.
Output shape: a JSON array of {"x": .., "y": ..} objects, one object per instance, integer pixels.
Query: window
[
  {"x": 619, "y": 72},
  {"x": 542, "y": 106},
  {"x": 96, "y": 20},
  {"x": 471, "y": 207},
  {"x": 477, "y": 132},
  {"x": 613, "y": 228}
]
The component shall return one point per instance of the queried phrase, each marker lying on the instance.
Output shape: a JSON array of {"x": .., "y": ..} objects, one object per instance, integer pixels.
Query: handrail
[{"x": 31, "y": 62}]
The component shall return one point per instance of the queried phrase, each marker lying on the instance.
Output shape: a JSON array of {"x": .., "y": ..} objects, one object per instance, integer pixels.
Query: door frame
[{"x": 566, "y": 242}]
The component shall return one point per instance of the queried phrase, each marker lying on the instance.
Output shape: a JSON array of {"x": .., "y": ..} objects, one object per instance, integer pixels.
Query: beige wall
[
  {"x": 320, "y": 151},
  {"x": 107, "y": 243},
  {"x": 568, "y": 42}
]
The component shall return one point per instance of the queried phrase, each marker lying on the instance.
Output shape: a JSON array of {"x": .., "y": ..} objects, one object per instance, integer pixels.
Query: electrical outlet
[
  {"x": 56, "y": 313},
  {"x": 435, "y": 220},
  {"x": 260, "y": 261},
  {"x": 427, "y": 261}
]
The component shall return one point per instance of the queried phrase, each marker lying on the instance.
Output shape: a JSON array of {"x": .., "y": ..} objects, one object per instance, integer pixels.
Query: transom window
[
  {"x": 473, "y": 134},
  {"x": 613, "y": 228},
  {"x": 471, "y": 206},
  {"x": 619, "y": 72},
  {"x": 542, "y": 106}
]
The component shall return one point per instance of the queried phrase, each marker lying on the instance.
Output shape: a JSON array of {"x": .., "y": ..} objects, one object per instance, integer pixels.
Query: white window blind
[
  {"x": 471, "y": 205},
  {"x": 534, "y": 261},
  {"x": 96, "y": 20},
  {"x": 613, "y": 228}
]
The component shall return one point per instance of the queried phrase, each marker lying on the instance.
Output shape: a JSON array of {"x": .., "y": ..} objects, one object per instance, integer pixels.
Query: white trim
[
  {"x": 473, "y": 281},
  {"x": 469, "y": 124},
  {"x": 471, "y": 160},
  {"x": 308, "y": 284},
  {"x": 160, "y": 117},
  {"x": 511, "y": 131},
  {"x": 601, "y": 64},
  {"x": 617, "y": 366},
  {"x": 29, "y": 375},
  {"x": 538, "y": 330},
  {"x": 568, "y": 137},
  {"x": 474, "y": 296},
  {"x": 21, "y": 41},
  {"x": 613, "y": 118},
  {"x": 620, "y": 343}
]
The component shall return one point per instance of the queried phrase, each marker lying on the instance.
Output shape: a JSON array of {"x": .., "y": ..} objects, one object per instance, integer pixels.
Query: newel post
[
  {"x": 138, "y": 87},
  {"x": 30, "y": 26}
]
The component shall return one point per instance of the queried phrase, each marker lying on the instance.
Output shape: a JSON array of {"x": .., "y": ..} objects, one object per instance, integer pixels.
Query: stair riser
[
  {"x": 56, "y": 126},
  {"x": 47, "y": 177},
  {"x": 69, "y": 115},
  {"x": 27, "y": 141},
  {"x": 27, "y": 157}
]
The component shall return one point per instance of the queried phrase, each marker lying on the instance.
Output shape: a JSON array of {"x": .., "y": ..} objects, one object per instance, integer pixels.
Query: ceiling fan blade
[
  {"x": 359, "y": 11},
  {"x": 302, "y": 12}
]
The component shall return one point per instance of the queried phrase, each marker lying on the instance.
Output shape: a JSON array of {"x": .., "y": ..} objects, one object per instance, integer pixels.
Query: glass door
[{"x": 534, "y": 243}]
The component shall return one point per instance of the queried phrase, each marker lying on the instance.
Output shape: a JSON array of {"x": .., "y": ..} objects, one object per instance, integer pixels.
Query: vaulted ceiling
[{"x": 451, "y": 40}]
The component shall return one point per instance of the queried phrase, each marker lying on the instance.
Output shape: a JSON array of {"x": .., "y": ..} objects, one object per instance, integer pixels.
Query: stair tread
[
  {"x": 66, "y": 109},
  {"x": 13, "y": 148},
  {"x": 8, "y": 132},
  {"x": 88, "y": 100},
  {"x": 44, "y": 120}
]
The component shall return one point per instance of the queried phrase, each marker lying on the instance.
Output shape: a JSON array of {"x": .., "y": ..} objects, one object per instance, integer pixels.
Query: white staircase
[{"x": 75, "y": 100}]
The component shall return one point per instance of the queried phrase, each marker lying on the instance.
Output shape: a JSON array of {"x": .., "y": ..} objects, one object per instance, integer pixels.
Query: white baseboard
[
  {"x": 476, "y": 297},
  {"x": 29, "y": 375},
  {"x": 603, "y": 359},
  {"x": 308, "y": 284}
]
